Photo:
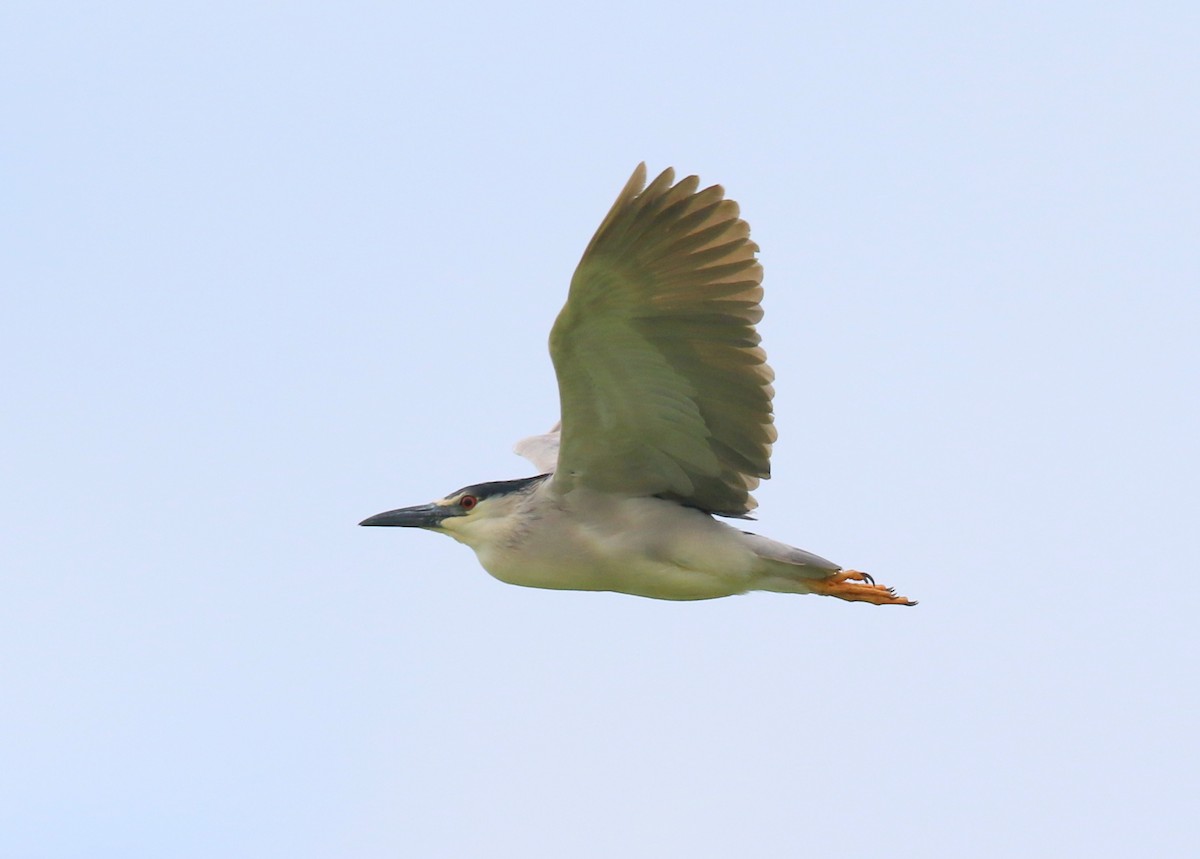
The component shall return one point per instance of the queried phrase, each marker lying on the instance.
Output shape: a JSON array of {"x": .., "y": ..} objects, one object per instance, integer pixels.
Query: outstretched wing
[{"x": 664, "y": 388}]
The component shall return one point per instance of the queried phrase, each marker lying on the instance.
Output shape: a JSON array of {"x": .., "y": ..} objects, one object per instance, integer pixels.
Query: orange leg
[{"x": 856, "y": 587}]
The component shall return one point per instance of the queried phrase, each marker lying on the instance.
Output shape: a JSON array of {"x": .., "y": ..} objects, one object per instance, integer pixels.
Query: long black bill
[{"x": 421, "y": 516}]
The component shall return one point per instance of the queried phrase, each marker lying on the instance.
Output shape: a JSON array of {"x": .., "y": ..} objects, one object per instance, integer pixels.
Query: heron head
[{"x": 461, "y": 514}]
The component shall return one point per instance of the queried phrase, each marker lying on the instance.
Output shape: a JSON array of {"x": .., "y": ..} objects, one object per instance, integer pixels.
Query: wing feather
[{"x": 664, "y": 388}]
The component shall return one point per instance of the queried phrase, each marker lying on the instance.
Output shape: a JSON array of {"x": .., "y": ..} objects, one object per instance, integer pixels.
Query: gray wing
[{"x": 664, "y": 388}]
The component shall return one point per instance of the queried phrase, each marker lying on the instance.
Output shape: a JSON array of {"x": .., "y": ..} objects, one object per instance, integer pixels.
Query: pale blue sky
[{"x": 271, "y": 268}]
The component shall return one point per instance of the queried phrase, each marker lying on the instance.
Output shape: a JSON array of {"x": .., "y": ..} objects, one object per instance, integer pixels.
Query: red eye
[{"x": 468, "y": 502}]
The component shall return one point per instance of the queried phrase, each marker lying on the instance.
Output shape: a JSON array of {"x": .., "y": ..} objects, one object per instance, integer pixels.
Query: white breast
[{"x": 589, "y": 540}]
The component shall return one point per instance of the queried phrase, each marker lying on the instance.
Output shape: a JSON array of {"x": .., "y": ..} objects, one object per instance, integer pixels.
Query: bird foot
[{"x": 856, "y": 587}]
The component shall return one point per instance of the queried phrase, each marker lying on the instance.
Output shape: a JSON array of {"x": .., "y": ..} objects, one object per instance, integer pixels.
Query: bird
[{"x": 666, "y": 423}]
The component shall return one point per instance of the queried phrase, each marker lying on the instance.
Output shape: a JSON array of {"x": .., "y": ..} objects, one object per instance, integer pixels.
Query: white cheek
[
  {"x": 478, "y": 530},
  {"x": 454, "y": 528}
]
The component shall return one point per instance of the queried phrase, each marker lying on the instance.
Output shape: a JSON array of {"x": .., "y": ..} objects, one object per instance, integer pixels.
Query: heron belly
[{"x": 643, "y": 546}]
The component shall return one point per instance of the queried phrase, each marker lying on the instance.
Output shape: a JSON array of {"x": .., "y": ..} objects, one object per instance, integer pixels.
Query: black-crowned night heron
[{"x": 666, "y": 423}]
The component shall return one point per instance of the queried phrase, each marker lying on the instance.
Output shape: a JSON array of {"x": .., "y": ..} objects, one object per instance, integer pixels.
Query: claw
[{"x": 857, "y": 586}]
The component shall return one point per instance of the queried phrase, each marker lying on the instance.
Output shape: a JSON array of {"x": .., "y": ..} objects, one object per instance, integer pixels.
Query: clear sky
[{"x": 271, "y": 268}]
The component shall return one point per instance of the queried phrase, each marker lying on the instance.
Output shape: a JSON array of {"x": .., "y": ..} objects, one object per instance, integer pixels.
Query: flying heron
[{"x": 666, "y": 423}]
